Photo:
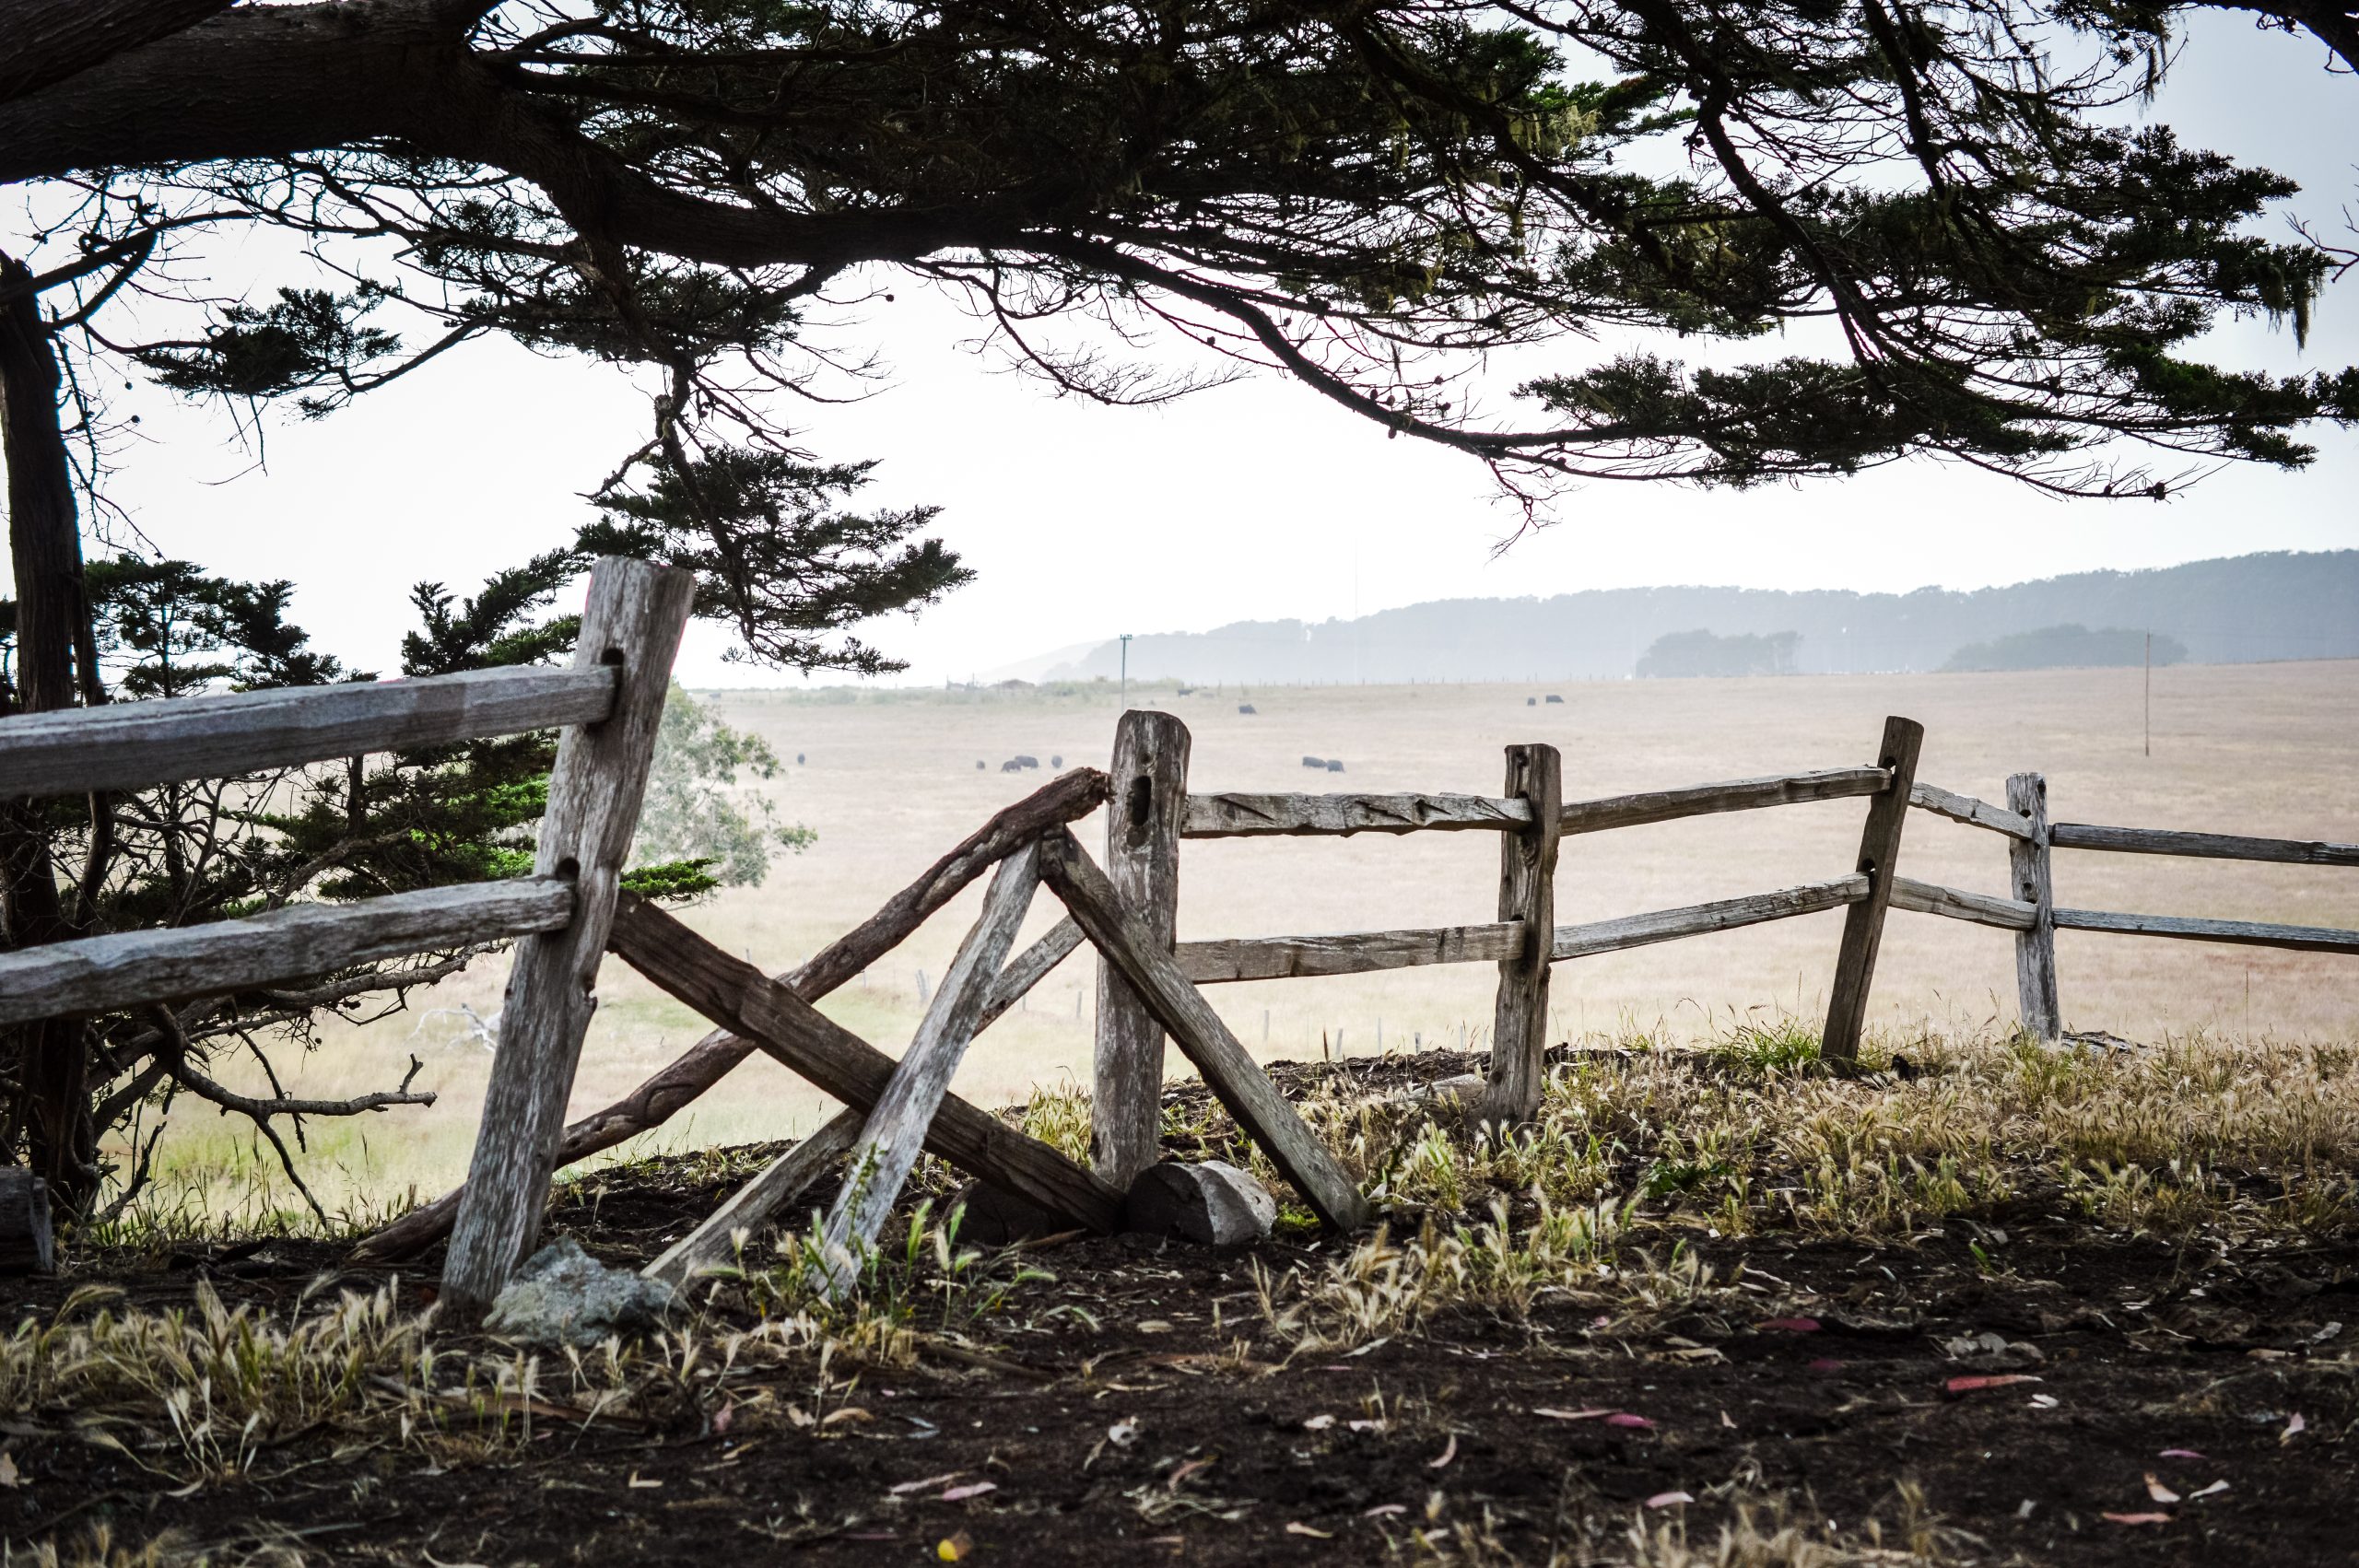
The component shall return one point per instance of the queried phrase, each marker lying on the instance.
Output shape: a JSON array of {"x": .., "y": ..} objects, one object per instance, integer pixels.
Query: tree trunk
[{"x": 53, "y": 1113}]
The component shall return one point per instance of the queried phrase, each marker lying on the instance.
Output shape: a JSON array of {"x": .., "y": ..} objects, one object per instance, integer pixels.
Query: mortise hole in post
[
  {"x": 613, "y": 656},
  {"x": 569, "y": 868},
  {"x": 1139, "y": 805}
]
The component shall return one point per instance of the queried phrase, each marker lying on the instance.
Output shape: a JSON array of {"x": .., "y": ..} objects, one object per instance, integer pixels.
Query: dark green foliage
[
  {"x": 2066, "y": 647},
  {"x": 1701, "y": 653}
]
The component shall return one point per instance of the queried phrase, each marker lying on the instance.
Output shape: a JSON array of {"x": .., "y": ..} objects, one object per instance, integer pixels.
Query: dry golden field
[{"x": 890, "y": 781}]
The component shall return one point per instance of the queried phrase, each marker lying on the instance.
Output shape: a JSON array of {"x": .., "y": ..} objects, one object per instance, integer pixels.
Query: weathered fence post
[
  {"x": 1527, "y": 893},
  {"x": 633, "y": 621},
  {"x": 1855, "y": 962},
  {"x": 1147, "y": 801},
  {"x": 2035, "y": 948}
]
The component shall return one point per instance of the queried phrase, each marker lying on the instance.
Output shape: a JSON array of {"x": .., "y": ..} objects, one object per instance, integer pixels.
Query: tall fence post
[
  {"x": 2035, "y": 948},
  {"x": 1147, "y": 801},
  {"x": 633, "y": 621},
  {"x": 1527, "y": 893},
  {"x": 1855, "y": 964}
]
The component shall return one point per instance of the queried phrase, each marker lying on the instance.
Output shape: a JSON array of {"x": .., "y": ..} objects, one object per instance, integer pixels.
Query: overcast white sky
[{"x": 1256, "y": 500}]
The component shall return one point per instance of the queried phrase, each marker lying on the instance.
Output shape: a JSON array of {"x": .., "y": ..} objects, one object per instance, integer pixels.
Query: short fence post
[
  {"x": 633, "y": 621},
  {"x": 1527, "y": 893},
  {"x": 2036, "y": 948},
  {"x": 1855, "y": 964},
  {"x": 1147, "y": 801}
]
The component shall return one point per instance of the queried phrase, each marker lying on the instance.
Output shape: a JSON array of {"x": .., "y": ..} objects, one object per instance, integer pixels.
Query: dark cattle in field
[
  {"x": 1245, "y": 707},
  {"x": 1334, "y": 765},
  {"x": 1553, "y": 698},
  {"x": 1056, "y": 762},
  {"x": 1028, "y": 761},
  {"x": 981, "y": 764},
  {"x": 1314, "y": 762},
  {"x": 1532, "y": 702},
  {"x": 798, "y": 759},
  {"x": 1010, "y": 765}
]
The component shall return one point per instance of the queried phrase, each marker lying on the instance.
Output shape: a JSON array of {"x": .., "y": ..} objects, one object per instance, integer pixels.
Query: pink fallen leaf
[
  {"x": 972, "y": 1489},
  {"x": 2139, "y": 1518},
  {"x": 2296, "y": 1424},
  {"x": 1385, "y": 1511},
  {"x": 1826, "y": 1363},
  {"x": 1449, "y": 1452},
  {"x": 2157, "y": 1490},
  {"x": 1295, "y": 1528},
  {"x": 1573, "y": 1415},
  {"x": 1667, "y": 1499},
  {"x": 1979, "y": 1381},
  {"x": 928, "y": 1484},
  {"x": 2180, "y": 1454},
  {"x": 1182, "y": 1472},
  {"x": 724, "y": 1417},
  {"x": 1626, "y": 1419},
  {"x": 1789, "y": 1325},
  {"x": 2213, "y": 1491}
]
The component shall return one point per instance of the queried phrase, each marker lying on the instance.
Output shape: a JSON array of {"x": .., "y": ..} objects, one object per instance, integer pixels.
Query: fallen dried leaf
[
  {"x": 848, "y": 1413},
  {"x": 1385, "y": 1510},
  {"x": 2213, "y": 1490},
  {"x": 1667, "y": 1499},
  {"x": 972, "y": 1489},
  {"x": 1573, "y": 1415},
  {"x": 637, "y": 1483},
  {"x": 1372, "y": 1345},
  {"x": 952, "y": 1548},
  {"x": 1153, "y": 1326},
  {"x": 1789, "y": 1325},
  {"x": 1298, "y": 1529},
  {"x": 1449, "y": 1452},
  {"x": 2157, "y": 1490},
  {"x": 723, "y": 1417},
  {"x": 1986, "y": 1380},
  {"x": 2139, "y": 1518},
  {"x": 2296, "y": 1424},
  {"x": 2179, "y": 1453},
  {"x": 1181, "y": 1472},
  {"x": 1318, "y": 1422},
  {"x": 10, "y": 1478},
  {"x": 1626, "y": 1419},
  {"x": 1122, "y": 1431},
  {"x": 928, "y": 1484}
]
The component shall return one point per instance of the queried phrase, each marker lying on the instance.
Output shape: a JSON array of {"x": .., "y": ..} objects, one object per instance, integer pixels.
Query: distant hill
[{"x": 2281, "y": 605}]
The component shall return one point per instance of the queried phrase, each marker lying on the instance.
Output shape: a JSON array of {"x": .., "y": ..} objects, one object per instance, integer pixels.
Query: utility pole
[
  {"x": 1126, "y": 671},
  {"x": 2150, "y": 694}
]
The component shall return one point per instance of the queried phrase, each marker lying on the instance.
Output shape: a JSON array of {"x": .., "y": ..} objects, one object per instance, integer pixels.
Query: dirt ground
[{"x": 2156, "y": 1402}]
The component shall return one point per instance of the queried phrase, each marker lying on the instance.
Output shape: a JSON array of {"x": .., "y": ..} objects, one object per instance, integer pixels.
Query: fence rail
[
  {"x": 134, "y": 745},
  {"x": 2201, "y": 845}
]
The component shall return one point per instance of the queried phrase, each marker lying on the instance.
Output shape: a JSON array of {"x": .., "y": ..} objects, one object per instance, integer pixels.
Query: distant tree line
[
  {"x": 2066, "y": 647},
  {"x": 1702, "y": 653}
]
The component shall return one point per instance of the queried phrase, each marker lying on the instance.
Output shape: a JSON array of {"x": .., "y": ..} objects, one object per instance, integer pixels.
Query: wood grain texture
[
  {"x": 1855, "y": 962},
  {"x": 2031, "y": 865},
  {"x": 2206, "y": 846},
  {"x": 1260, "y": 817},
  {"x": 1701, "y": 919},
  {"x": 1732, "y": 795},
  {"x": 102, "y": 973},
  {"x": 750, "y": 1004},
  {"x": 2242, "y": 933},
  {"x": 1345, "y": 953},
  {"x": 895, "y": 1132},
  {"x": 1028, "y": 968},
  {"x": 633, "y": 624},
  {"x": 1180, "y": 1006},
  {"x": 1957, "y": 904},
  {"x": 128, "y": 745},
  {"x": 1528, "y": 896},
  {"x": 1966, "y": 809},
  {"x": 1148, "y": 782},
  {"x": 704, "y": 1064},
  {"x": 713, "y": 1244}
]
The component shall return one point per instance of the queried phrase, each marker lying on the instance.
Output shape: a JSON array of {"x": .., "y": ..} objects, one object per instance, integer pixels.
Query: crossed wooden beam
[{"x": 897, "y": 1108}]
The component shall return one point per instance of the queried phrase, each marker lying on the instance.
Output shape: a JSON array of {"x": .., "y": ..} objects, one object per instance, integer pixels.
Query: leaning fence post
[
  {"x": 2035, "y": 948},
  {"x": 633, "y": 621},
  {"x": 1855, "y": 964},
  {"x": 1527, "y": 893},
  {"x": 1147, "y": 801}
]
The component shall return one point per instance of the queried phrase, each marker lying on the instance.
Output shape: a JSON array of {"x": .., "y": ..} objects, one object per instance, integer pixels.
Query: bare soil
[{"x": 1142, "y": 1433}]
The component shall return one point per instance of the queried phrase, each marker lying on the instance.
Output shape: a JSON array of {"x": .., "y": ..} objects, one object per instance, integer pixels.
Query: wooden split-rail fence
[{"x": 572, "y": 910}]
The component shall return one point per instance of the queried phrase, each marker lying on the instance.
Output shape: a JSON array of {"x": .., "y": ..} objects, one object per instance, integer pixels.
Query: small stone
[
  {"x": 563, "y": 1296},
  {"x": 1211, "y": 1204}
]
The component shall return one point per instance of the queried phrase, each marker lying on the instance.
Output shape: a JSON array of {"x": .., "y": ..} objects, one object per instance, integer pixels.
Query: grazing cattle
[
  {"x": 1314, "y": 762},
  {"x": 798, "y": 759},
  {"x": 1010, "y": 765},
  {"x": 1056, "y": 762},
  {"x": 981, "y": 764},
  {"x": 1245, "y": 707},
  {"x": 1532, "y": 702},
  {"x": 1023, "y": 761},
  {"x": 1334, "y": 765},
  {"x": 1555, "y": 698}
]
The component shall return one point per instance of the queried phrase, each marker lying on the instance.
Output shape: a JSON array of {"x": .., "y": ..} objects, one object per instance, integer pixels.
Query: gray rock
[
  {"x": 564, "y": 1296},
  {"x": 1211, "y": 1204}
]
